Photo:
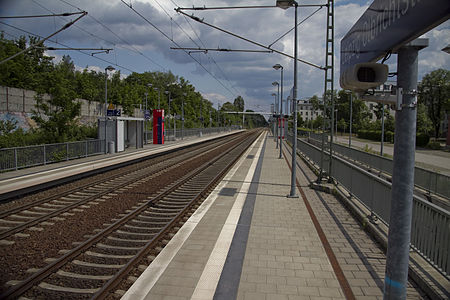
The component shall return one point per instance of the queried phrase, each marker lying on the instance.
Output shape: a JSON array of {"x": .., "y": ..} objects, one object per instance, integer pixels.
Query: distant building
[
  {"x": 307, "y": 111},
  {"x": 387, "y": 87}
]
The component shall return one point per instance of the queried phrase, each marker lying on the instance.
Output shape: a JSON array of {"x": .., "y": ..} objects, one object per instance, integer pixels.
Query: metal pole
[
  {"x": 293, "y": 193},
  {"x": 351, "y": 120},
  {"x": 382, "y": 130},
  {"x": 278, "y": 115},
  {"x": 145, "y": 120},
  {"x": 399, "y": 236},
  {"x": 106, "y": 107},
  {"x": 276, "y": 120},
  {"x": 281, "y": 113},
  {"x": 182, "y": 120},
  {"x": 336, "y": 123},
  {"x": 201, "y": 119}
]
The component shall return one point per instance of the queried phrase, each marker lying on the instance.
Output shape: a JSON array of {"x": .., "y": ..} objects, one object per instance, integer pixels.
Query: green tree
[
  {"x": 434, "y": 92},
  {"x": 424, "y": 124},
  {"x": 57, "y": 117},
  {"x": 239, "y": 103}
]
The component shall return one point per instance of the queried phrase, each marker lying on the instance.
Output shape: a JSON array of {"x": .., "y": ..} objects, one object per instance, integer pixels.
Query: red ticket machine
[{"x": 158, "y": 126}]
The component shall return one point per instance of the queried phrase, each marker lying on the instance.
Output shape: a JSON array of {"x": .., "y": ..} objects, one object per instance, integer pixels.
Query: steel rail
[
  {"x": 57, "y": 212},
  {"x": 75, "y": 189},
  {"x": 113, "y": 282},
  {"x": 46, "y": 271}
]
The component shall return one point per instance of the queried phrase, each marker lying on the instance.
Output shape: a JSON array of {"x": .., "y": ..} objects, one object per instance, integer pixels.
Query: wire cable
[
  {"x": 44, "y": 39},
  {"x": 167, "y": 37},
  {"x": 132, "y": 48},
  {"x": 41, "y": 16},
  {"x": 96, "y": 57},
  {"x": 209, "y": 57}
]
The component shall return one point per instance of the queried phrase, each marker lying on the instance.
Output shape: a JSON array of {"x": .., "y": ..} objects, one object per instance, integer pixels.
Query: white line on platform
[
  {"x": 207, "y": 284},
  {"x": 144, "y": 284}
]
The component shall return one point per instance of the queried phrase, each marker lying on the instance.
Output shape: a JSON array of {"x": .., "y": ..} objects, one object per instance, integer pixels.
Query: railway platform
[
  {"x": 38, "y": 177},
  {"x": 248, "y": 240}
]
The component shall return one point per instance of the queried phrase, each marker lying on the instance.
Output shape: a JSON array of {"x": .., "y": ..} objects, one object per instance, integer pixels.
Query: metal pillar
[
  {"x": 328, "y": 86},
  {"x": 397, "y": 259},
  {"x": 382, "y": 130},
  {"x": 182, "y": 120},
  {"x": 293, "y": 192},
  {"x": 145, "y": 120},
  {"x": 106, "y": 107},
  {"x": 351, "y": 120},
  {"x": 329, "y": 81},
  {"x": 282, "y": 116},
  {"x": 278, "y": 116}
]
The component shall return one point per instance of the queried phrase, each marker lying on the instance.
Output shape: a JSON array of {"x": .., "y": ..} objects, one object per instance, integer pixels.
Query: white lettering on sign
[{"x": 377, "y": 22}]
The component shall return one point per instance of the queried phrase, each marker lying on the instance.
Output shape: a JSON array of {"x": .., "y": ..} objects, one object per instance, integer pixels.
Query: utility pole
[
  {"x": 382, "y": 129},
  {"x": 397, "y": 259}
]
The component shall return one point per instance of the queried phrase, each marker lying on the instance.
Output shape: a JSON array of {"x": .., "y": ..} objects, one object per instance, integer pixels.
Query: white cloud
[{"x": 251, "y": 74}]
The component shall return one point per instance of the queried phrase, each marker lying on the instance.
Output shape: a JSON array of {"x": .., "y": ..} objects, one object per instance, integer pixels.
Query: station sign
[
  {"x": 387, "y": 25},
  {"x": 147, "y": 114},
  {"x": 114, "y": 112}
]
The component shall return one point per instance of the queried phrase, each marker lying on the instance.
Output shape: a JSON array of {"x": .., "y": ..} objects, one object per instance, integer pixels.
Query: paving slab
[{"x": 250, "y": 241}]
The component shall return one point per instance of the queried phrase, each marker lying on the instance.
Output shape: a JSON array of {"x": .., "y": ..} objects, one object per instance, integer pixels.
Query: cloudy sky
[{"x": 143, "y": 43}]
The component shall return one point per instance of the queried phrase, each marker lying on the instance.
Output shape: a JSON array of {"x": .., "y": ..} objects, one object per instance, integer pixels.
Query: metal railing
[
  {"x": 29, "y": 156},
  {"x": 430, "y": 235},
  {"x": 430, "y": 181},
  {"x": 190, "y": 132}
]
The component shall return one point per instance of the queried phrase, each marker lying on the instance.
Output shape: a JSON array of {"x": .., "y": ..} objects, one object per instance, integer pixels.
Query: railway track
[
  {"x": 96, "y": 266},
  {"x": 65, "y": 203}
]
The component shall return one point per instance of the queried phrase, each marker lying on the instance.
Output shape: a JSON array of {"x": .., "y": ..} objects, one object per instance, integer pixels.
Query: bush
[
  {"x": 422, "y": 139},
  {"x": 375, "y": 135},
  {"x": 434, "y": 145}
]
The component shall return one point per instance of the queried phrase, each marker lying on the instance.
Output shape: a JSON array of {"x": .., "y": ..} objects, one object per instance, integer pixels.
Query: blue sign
[
  {"x": 114, "y": 112},
  {"x": 387, "y": 25},
  {"x": 147, "y": 114}
]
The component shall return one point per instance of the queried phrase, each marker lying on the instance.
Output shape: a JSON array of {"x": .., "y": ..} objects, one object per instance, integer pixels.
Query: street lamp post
[
  {"x": 275, "y": 128},
  {"x": 286, "y": 4},
  {"x": 108, "y": 68},
  {"x": 168, "y": 115},
  {"x": 277, "y": 67},
  {"x": 145, "y": 118},
  {"x": 382, "y": 130},
  {"x": 182, "y": 117},
  {"x": 336, "y": 122},
  {"x": 351, "y": 121},
  {"x": 275, "y": 83}
]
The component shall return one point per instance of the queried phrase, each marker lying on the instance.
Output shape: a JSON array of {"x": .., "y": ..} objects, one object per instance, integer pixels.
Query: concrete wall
[{"x": 18, "y": 104}]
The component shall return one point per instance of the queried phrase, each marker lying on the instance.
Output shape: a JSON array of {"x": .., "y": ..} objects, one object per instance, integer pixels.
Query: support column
[{"x": 397, "y": 260}]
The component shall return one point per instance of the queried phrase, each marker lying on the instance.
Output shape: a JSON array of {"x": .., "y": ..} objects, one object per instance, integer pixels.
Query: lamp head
[
  {"x": 277, "y": 67},
  {"x": 275, "y": 83},
  {"x": 109, "y": 68},
  {"x": 273, "y": 94},
  {"x": 285, "y": 4}
]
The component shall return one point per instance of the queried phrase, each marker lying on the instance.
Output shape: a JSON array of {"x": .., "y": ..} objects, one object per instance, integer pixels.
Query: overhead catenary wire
[
  {"x": 59, "y": 43},
  {"x": 300, "y": 23},
  {"x": 166, "y": 36},
  {"x": 248, "y": 40},
  {"x": 42, "y": 16},
  {"x": 187, "y": 34},
  {"x": 44, "y": 39},
  {"x": 132, "y": 48}
]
